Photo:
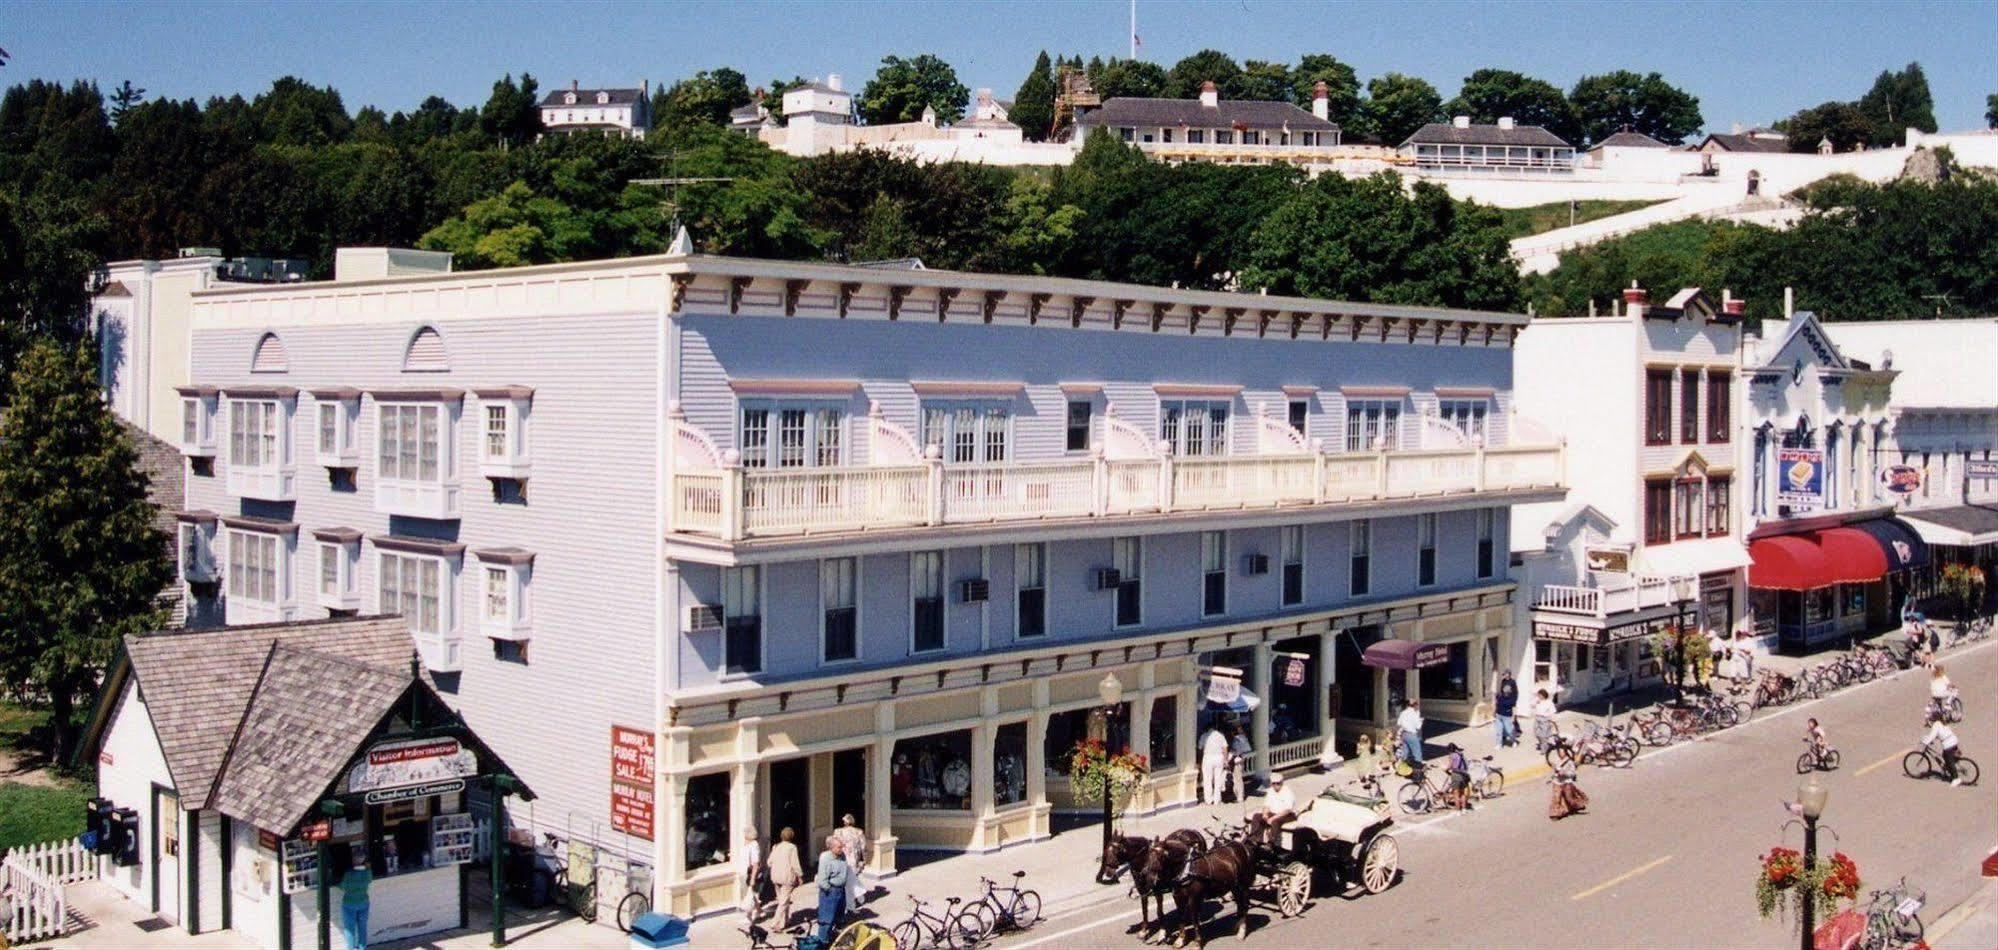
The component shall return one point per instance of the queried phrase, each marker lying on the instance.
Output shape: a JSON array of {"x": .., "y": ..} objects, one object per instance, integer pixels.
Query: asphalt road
[{"x": 1667, "y": 854}]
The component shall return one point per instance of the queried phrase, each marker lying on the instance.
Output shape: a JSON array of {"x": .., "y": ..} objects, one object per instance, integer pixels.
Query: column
[
  {"x": 981, "y": 784},
  {"x": 1328, "y": 716},
  {"x": 1037, "y": 762},
  {"x": 1141, "y": 744},
  {"x": 1259, "y": 720},
  {"x": 880, "y": 807},
  {"x": 670, "y": 828}
]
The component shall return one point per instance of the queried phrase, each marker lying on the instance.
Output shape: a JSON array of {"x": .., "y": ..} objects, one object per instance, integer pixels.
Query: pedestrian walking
[
  {"x": 750, "y": 855},
  {"x": 853, "y": 844},
  {"x": 1504, "y": 710},
  {"x": 1213, "y": 759},
  {"x": 1409, "y": 726},
  {"x": 786, "y": 873},
  {"x": 1568, "y": 798},
  {"x": 1744, "y": 657},
  {"x": 1543, "y": 721},
  {"x": 354, "y": 900},
  {"x": 833, "y": 879},
  {"x": 1239, "y": 751}
]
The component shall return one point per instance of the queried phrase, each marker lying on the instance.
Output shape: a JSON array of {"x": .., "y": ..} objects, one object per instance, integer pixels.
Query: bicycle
[
  {"x": 1817, "y": 757},
  {"x": 579, "y": 897},
  {"x": 1892, "y": 918},
  {"x": 1422, "y": 791},
  {"x": 1020, "y": 910},
  {"x": 1977, "y": 628},
  {"x": 954, "y": 929},
  {"x": 1950, "y": 707},
  {"x": 1487, "y": 778},
  {"x": 1927, "y": 762}
]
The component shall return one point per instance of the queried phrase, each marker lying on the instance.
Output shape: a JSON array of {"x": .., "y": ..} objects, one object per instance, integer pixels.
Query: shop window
[
  {"x": 1425, "y": 546},
  {"x": 1290, "y": 542},
  {"x": 1066, "y": 729},
  {"x": 1009, "y": 764},
  {"x": 1030, "y": 574},
  {"x": 926, "y": 601},
  {"x": 838, "y": 586},
  {"x": 790, "y": 435},
  {"x": 1194, "y": 427},
  {"x": 1689, "y": 406},
  {"x": 1720, "y": 413},
  {"x": 1372, "y": 420},
  {"x": 742, "y": 620},
  {"x": 1355, "y": 679},
  {"x": 1079, "y": 412},
  {"x": 1129, "y": 562},
  {"x": 1658, "y": 512},
  {"x": 1852, "y": 598},
  {"x": 1719, "y": 490},
  {"x": 1360, "y": 574},
  {"x": 968, "y": 432},
  {"x": 707, "y": 839},
  {"x": 1819, "y": 605},
  {"x": 1658, "y": 407},
  {"x": 932, "y": 772},
  {"x": 1487, "y": 545},
  {"x": 1165, "y": 733},
  {"x": 1213, "y": 573},
  {"x": 1450, "y": 680},
  {"x": 1293, "y": 691}
]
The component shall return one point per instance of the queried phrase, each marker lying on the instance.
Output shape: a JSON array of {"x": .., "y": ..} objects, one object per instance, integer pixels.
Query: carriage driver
[{"x": 1279, "y": 809}]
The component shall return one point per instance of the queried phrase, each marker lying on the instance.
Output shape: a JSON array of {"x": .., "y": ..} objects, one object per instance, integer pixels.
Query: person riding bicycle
[
  {"x": 1941, "y": 691},
  {"x": 1815, "y": 735},
  {"x": 1459, "y": 769},
  {"x": 1941, "y": 735}
]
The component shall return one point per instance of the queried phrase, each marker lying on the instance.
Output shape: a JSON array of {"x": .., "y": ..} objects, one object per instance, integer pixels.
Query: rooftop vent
[{"x": 1462, "y": 121}]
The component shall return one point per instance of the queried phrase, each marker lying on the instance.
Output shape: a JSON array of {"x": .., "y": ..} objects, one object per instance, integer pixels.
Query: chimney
[
  {"x": 1462, "y": 121},
  {"x": 1210, "y": 97},
  {"x": 645, "y": 88},
  {"x": 833, "y": 81},
  {"x": 1505, "y": 122},
  {"x": 1789, "y": 302},
  {"x": 1634, "y": 299},
  {"x": 1737, "y": 128},
  {"x": 572, "y": 86},
  {"x": 1321, "y": 101},
  {"x": 1734, "y": 307}
]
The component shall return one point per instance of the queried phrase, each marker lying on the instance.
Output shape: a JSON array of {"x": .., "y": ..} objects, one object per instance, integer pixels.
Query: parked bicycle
[
  {"x": 1611, "y": 747},
  {"x": 1425, "y": 790},
  {"x": 1018, "y": 908},
  {"x": 1893, "y": 918},
  {"x": 1927, "y": 762},
  {"x": 1487, "y": 778},
  {"x": 1817, "y": 758},
  {"x": 1978, "y": 628}
]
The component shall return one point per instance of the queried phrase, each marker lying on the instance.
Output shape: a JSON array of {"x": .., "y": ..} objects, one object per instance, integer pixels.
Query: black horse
[
  {"x": 1227, "y": 870},
  {"x": 1154, "y": 873}
]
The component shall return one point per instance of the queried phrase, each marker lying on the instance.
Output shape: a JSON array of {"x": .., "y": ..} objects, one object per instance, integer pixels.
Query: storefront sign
[
  {"x": 267, "y": 840},
  {"x": 1590, "y": 636},
  {"x": 385, "y": 795},
  {"x": 1224, "y": 686},
  {"x": 1901, "y": 479},
  {"x": 1981, "y": 469},
  {"x": 411, "y": 762},
  {"x": 316, "y": 830},
  {"x": 1293, "y": 673},
  {"x": 1800, "y": 477},
  {"x": 631, "y": 781},
  {"x": 1608, "y": 560},
  {"x": 1566, "y": 633}
]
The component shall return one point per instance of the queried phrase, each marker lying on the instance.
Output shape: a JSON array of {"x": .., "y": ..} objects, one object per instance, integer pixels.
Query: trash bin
[{"x": 653, "y": 931}]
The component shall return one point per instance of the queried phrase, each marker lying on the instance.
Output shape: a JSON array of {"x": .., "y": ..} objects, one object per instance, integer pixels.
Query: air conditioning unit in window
[
  {"x": 1107, "y": 578},
  {"x": 1256, "y": 564},
  {"x": 704, "y": 618},
  {"x": 975, "y": 590}
]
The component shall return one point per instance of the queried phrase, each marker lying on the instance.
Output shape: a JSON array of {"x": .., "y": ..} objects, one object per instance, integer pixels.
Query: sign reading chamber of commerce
[
  {"x": 631, "y": 781},
  {"x": 412, "y": 762},
  {"x": 1800, "y": 477},
  {"x": 383, "y": 796},
  {"x": 1901, "y": 479}
]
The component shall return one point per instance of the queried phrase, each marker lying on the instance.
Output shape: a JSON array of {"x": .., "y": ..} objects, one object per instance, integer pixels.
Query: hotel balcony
[
  {"x": 1642, "y": 593},
  {"x": 730, "y": 503}
]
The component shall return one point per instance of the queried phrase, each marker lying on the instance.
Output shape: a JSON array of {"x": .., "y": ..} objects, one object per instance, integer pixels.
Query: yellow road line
[
  {"x": 1896, "y": 757},
  {"x": 1619, "y": 879}
]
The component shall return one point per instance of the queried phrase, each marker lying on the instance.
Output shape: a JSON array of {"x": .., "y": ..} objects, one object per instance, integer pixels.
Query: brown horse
[
  {"x": 1154, "y": 873},
  {"x": 1118, "y": 854},
  {"x": 1227, "y": 870}
]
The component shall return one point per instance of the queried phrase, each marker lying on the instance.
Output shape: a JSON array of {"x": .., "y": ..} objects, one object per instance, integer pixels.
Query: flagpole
[{"x": 1134, "y": 29}]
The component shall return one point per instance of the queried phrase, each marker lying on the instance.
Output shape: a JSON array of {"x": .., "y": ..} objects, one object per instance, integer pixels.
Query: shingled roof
[
  {"x": 1629, "y": 139},
  {"x": 1445, "y": 133},
  {"x": 1171, "y": 113},
  {"x": 1748, "y": 142},
  {"x": 588, "y": 97}
]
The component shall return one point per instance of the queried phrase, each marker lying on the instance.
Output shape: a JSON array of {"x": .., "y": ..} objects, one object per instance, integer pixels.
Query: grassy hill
[{"x": 1536, "y": 219}]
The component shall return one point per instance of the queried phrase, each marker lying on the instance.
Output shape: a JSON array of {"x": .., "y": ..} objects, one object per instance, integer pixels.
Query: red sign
[
  {"x": 316, "y": 830},
  {"x": 631, "y": 781},
  {"x": 1293, "y": 675},
  {"x": 267, "y": 840}
]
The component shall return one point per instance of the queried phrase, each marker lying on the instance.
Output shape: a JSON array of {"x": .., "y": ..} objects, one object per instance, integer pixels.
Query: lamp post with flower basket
[
  {"x": 1817, "y": 885},
  {"x": 1094, "y": 771}
]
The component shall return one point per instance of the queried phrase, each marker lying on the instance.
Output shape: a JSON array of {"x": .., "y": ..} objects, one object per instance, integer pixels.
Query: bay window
[
  {"x": 1372, "y": 420},
  {"x": 790, "y": 435},
  {"x": 197, "y": 421},
  {"x": 968, "y": 431},
  {"x": 742, "y": 621},
  {"x": 260, "y": 449},
  {"x": 1194, "y": 427},
  {"x": 839, "y": 630},
  {"x": 417, "y": 579},
  {"x": 417, "y": 455},
  {"x": 335, "y": 412},
  {"x": 506, "y": 611},
  {"x": 338, "y": 585},
  {"x": 196, "y": 545},
  {"x": 1030, "y": 578},
  {"x": 503, "y": 431},
  {"x": 926, "y": 601},
  {"x": 259, "y": 571}
]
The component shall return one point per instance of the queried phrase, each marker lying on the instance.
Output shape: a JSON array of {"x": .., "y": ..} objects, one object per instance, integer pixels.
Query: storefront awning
[
  {"x": 1854, "y": 557},
  {"x": 1904, "y": 546},
  {"x": 1694, "y": 558},
  {"x": 1405, "y": 655},
  {"x": 1788, "y": 562}
]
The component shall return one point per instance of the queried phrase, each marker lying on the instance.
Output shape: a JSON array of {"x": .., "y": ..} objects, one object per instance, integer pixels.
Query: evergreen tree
[
  {"x": 1033, "y": 105},
  {"x": 83, "y": 564},
  {"x": 123, "y": 99},
  {"x": 1898, "y": 101},
  {"x": 1342, "y": 88},
  {"x": 50, "y": 246},
  {"x": 1991, "y": 110},
  {"x": 511, "y": 115}
]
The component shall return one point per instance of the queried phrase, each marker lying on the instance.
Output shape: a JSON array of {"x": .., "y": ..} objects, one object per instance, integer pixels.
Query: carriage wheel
[
  {"x": 1379, "y": 862},
  {"x": 1293, "y": 888}
]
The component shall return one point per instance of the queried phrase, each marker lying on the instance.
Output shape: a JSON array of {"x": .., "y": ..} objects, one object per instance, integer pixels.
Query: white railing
[
  {"x": 734, "y": 503},
  {"x": 33, "y": 903},
  {"x": 1645, "y": 590},
  {"x": 64, "y": 862}
]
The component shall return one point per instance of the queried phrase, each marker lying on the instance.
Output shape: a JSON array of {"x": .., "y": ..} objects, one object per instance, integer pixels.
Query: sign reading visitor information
[
  {"x": 1800, "y": 477},
  {"x": 1901, "y": 479},
  {"x": 631, "y": 781},
  {"x": 412, "y": 762}
]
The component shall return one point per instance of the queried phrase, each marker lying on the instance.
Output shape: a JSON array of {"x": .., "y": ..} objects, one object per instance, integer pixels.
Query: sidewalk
[{"x": 1971, "y": 925}]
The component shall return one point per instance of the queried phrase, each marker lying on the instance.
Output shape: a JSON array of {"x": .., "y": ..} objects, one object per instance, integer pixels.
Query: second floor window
[
  {"x": 256, "y": 434},
  {"x": 496, "y": 432},
  {"x": 1079, "y": 412},
  {"x": 413, "y": 447},
  {"x": 253, "y": 568},
  {"x": 1128, "y": 559},
  {"x": 1213, "y": 573},
  {"x": 1300, "y": 415},
  {"x": 969, "y": 432},
  {"x": 1658, "y": 407},
  {"x": 1657, "y": 512},
  {"x": 1718, "y": 489},
  {"x": 1688, "y": 508},
  {"x": 1689, "y": 406},
  {"x": 1194, "y": 427},
  {"x": 1291, "y": 543},
  {"x": 1371, "y": 420},
  {"x": 415, "y": 588},
  {"x": 742, "y": 620},
  {"x": 837, "y": 590},
  {"x": 784, "y": 436},
  {"x": 1468, "y": 415},
  {"x": 926, "y": 601},
  {"x": 1487, "y": 544},
  {"x": 1425, "y": 550},
  {"x": 1360, "y": 572},
  {"x": 1720, "y": 401},
  {"x": 1030, "y": 576}
]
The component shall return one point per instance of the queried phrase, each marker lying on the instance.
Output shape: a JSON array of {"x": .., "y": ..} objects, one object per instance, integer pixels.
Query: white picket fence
[{"x": 32, "y": 903}]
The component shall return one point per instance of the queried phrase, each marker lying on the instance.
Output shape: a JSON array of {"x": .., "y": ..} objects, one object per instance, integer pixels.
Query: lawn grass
[
  {"x": 1524, "y": 222},
  {"x": 33, "y": 814}
]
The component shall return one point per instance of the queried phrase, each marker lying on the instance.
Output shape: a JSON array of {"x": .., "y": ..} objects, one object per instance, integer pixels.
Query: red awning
[
  {"x": 1853, "y": 555},
  {"x": 1788, "y": 562}
]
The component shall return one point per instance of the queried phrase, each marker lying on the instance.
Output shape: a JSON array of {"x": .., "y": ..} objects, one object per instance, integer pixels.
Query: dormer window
[
  {"x": 336, "y": 414},
  {"x": 260, "y": 457},
  {"x": 568, "y": 98},
  {"x": 503, "y": 431},
  {"x": 197, "y": 421},
  {"x": 603, "y": 98},
  {"x": 416, "y": 452},
  {"x": 505, "y": 612}
]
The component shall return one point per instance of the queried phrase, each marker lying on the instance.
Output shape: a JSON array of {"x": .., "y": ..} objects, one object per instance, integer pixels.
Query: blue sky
[{"x": 1748, "y": 62}]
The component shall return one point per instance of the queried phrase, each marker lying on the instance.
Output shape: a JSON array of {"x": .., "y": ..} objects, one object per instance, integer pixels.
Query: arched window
[
  {"x": 426, "y": 353},
  {"x": 270, "y": 356}
]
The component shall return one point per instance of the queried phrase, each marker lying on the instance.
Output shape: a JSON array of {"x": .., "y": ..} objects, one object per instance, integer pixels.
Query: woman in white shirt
[
  {"x": 1944, "y": 737},
  {"x": 752, "y": 875},
  {"x": 1543, "y": 721}
]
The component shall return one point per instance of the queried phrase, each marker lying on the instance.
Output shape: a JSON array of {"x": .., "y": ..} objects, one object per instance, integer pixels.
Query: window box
[
  {"x": 338, "y": 582},
  {"x": 416, "y": 453},
  {"x": 417, "y": 578},
  {"x": 504, "y": 574},
  {"x": 336, "y": 415},
  {"x": 261, "y": 463},
  {"x": 197, "y": 421},
  {"x": 196, "y": 545},
  {"x": 503, "y": 432},
  {"x": 260, "y": 585}
]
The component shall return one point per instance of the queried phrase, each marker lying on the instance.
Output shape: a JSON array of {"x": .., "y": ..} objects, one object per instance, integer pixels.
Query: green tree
[
  {"x": 1372, "y": 239},
  {"x": 83, "y": 565},
  {"x": 1398, "y": 105},
  {"x": 1135, "y": 78},
  {"x": 295, "y": 112},
  {"x": 1187, "y": 76},
  {"x": 1898, "y": 101},
  {"x": 435, "y": 118},
  {"x": 1342, "y": 87},
  {"x": 53, "y": 132},
  {"x": 1491, "y": 94},
  {"x": 1607, "y": 103},
  {"x": 1033, "y": 105},
  {"x": 704, "y": 97},
  {"x": 1991, "y": 110},
  {"x": 773, "y": 96},
  {"x": 901, "y": 88},
  {"x": 1036, "y": 233},
  {"x": 49, "y": 262},
  {"x": 1842, "y": 122},
  {"x": 511, "y": 115},
  {"x": 123, "y": 99},
  {"x": 1270, "y": 82}
]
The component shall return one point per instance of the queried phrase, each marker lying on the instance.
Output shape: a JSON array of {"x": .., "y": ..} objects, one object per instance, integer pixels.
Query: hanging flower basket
[
  {"x": 1784, "y": 882},
  {"x": 1091, "y": 764}
]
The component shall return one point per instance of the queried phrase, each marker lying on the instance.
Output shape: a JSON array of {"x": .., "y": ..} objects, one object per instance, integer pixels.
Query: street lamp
[
  {"x": 1811, "y": 798},
  {"x": 1111, "y": 692}
]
